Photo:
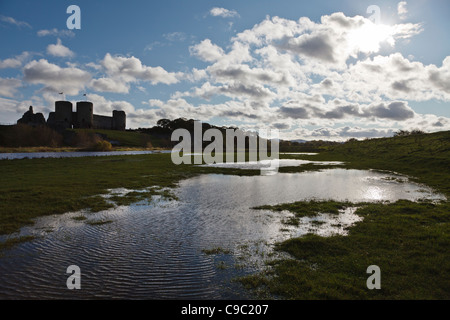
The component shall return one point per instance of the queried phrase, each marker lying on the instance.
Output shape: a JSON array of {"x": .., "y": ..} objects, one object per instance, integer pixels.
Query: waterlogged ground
[{"x": 188, "y": 248}]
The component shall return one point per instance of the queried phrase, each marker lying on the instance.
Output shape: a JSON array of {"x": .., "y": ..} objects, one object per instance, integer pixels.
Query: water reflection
[
  {"x": 256, "y": 165},
  {"x": 155, "y": 250}
]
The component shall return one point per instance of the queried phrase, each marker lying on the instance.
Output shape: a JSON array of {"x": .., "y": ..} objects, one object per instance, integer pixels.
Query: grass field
[{"x": 409, "y": 241}]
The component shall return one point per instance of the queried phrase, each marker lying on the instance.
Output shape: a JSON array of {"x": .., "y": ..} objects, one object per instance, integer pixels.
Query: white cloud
[
  {"x": 402, "y": 10},
  {"x": 105, "y": 107},
  {"x": 55, "y": 32},
  {"x": 15, "y": 62},
  {"x": 59, "y": 50},
  {"x": 56, "y": 79},
  {"x": 11, "y": 110},
  {"x": 109, "y": 85},
  {"x": 13, "y": 21},
  {"x": 312, "y": 79},
  {"x": 10, "y": 63},
  {"x": 175, "y": 36},
  {"x": 333, "y": 41},
  {"x": 280, "y": 72},
  {"x": 132, "y": 70},
  {"x": 224, "y": 13},
  {"x": 9, "y": 86},
  {"x": 207, "y": 51}
]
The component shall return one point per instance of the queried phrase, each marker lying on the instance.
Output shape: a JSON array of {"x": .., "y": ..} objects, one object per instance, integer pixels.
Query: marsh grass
[
  {"x": 307, "y": 209},
  {"x": 79, "y": 218},
  {"x": 217, "y": 250}
]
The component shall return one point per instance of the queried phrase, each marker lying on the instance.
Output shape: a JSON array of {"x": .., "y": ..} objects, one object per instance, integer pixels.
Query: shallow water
[
  {"x": 255, "y": 165},
  {"x": 155, "y": 251}
]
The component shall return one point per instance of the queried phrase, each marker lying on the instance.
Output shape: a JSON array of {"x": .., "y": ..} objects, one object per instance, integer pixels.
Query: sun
[{"x": 369, "y": 37}]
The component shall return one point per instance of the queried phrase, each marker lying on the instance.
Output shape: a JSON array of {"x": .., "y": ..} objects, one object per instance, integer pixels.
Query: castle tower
[
  {"x": 63, "y": 114},
  {"x": 119, "y": 120},
  {"x": 85, "y": 114}
]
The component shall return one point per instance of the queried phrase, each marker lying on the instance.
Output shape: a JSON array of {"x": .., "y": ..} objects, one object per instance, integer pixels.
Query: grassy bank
[{"x": 409, "y": 241}]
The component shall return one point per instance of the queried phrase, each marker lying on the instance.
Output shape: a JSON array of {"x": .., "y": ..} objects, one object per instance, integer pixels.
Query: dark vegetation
[
  {"x": 28, "y": 136},
  {"x": 159, "y": 137},
  {"x": 308, "y": 146}
]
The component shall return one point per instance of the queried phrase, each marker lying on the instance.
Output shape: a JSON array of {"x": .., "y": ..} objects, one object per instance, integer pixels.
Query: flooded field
[{"x": 191, "y": 248}]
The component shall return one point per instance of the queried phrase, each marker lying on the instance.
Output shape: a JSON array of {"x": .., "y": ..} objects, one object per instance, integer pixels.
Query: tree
[{"x": 164, "y": 123}]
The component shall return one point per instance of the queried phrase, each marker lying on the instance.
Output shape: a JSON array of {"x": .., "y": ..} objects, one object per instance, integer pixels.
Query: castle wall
[
  {"x": 63, "y": 114},
  {"x": 119, "y": 120},
  {"x": 85, "y": 113},
  {"x": 84, "y": 117},
  {"x": 103, "y": 122}
]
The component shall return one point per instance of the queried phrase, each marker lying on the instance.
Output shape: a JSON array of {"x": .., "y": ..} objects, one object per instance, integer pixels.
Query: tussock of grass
[
  {"x": 307, "y": 209},
  {"x": 79, "y": 218},
  {"x": 217, "y": 250}
]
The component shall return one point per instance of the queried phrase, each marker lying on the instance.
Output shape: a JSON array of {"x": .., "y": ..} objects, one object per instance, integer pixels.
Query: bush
[
  {"x": 102, "y": 145},
  {"x": 403, "y": 133}
]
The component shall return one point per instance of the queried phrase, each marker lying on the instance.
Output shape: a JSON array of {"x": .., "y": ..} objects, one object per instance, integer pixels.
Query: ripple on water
[{"x": 155, "y": 250}]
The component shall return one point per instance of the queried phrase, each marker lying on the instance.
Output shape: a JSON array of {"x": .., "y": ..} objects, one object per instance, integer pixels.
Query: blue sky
[{"x": 313, "y": 69}]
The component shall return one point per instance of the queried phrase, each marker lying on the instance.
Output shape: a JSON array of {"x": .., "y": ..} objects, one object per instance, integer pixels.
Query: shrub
[{"x": 102, "y": 145}]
